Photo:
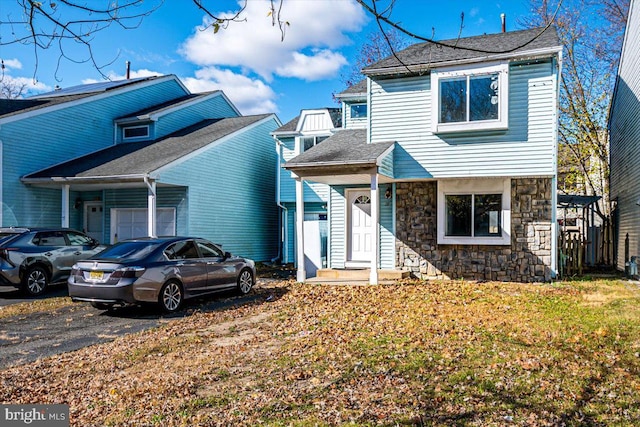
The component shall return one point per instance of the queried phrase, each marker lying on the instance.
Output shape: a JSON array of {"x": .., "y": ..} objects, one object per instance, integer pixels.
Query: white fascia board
[
  {"x": 157, "y": 172},
  {"x": 385, "y": 154},
  {"x": 84, "y": 179},
  {"x": 89, "y": 98}
]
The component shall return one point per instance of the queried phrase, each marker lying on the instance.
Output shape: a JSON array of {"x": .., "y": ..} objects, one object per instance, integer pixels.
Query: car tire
[
  {"x": 171, "y": 296},
  {"x": 245, "y": 281},
  {"x": 101, "y": 306},
  {"x": 35, "y": 281}
]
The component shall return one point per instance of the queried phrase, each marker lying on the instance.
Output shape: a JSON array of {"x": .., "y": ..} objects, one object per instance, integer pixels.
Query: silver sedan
[{"x": 164, "y": 270}]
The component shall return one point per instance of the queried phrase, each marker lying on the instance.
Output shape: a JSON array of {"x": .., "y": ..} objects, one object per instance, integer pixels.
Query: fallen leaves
[{"x": 416, "y": 353}]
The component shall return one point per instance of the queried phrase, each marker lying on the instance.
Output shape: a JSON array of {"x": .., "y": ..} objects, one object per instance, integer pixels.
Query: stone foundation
[{"x": 527, "y": 259}]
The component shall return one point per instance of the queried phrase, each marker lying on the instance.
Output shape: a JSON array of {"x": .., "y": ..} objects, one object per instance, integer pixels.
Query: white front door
[
  {"x": 93, "y": 220},
  {"x": 360, "y": 242}
]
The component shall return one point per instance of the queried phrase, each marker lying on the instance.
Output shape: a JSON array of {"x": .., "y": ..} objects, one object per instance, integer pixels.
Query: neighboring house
[
  {"x": 302, "y": 133},
  {"x": 141, "y": 157},
  {"x": 454, "y": 174},
  {"x": 624, "y": 140}
]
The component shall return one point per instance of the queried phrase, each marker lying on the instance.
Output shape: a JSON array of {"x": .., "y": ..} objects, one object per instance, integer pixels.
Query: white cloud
[
  {"x": 19, "y": 87},
  {"x": 474, "y": 12},
  {"x": 12, "y": 64},
  {"x": 250, "y": 96},
  {"x": 316, "y": 67},
  {"x": 134, "y": 74},
  {"x": 256, "y": 45}
]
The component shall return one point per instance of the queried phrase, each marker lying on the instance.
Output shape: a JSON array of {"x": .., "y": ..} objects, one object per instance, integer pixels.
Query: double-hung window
[
  {"x": 468, "y": 99},
  {"x": 474, "y": 211}
]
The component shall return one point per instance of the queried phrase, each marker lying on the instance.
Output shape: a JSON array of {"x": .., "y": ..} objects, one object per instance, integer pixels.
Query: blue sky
[{"x": 248, "y": 61}]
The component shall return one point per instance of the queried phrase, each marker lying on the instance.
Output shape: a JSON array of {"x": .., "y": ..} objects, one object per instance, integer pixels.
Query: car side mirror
[{"x": 227, "y": 255}]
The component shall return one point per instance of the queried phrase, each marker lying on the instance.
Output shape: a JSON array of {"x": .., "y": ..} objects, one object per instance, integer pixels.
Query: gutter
[
  {"x": 421, "y": 68},
  {"x": 86, "y": 180}
]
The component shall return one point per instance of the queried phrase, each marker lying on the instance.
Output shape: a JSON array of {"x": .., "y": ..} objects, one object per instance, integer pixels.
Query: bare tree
[
  {"x": 11, "y": 89},
  {"x": 65, "y": 25},
  {"x": 378, "y": 45},
  {"x": 591, "y": 49}
]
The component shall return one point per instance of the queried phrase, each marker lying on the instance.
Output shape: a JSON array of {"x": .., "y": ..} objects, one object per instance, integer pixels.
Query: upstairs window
[
  {"x": 470, "y": 99},
  {"x": 359, "y": 111},
  {"x": 134, "y": 132},
  {"x": 311, "y": 141}
]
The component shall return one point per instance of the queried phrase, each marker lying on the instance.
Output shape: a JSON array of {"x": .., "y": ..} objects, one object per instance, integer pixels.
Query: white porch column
[
  {"x": 301, "y": 274},
  {"x": 65, "y": 206},
  {"x": 151, "y": 208},
  {"x": 375, "y": 232}
]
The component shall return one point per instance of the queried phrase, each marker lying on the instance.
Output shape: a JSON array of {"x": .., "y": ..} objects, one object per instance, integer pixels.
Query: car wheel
[
  {"x": 36, "y": 280},
  {"x": 245, "y": 281},
  {"x": 101, "y": 306},
  {"x": 171, "y": 296}
]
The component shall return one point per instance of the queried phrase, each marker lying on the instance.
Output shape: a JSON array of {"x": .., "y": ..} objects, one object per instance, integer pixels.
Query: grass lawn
[{"x": 416, "y": 353}]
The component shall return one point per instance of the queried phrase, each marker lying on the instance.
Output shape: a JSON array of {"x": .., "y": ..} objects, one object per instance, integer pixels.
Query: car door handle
[
  {"x": 211, "y": 263},
  {"x": 48, "y": 254},
  {"x": 77, "y": 253}
]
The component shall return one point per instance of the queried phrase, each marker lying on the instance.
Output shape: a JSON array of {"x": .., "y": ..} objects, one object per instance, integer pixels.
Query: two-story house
[
  {"x": 624, "y": 140},
  {"x": 140, "y": 157},
  {"x": 454, "y": 173}
]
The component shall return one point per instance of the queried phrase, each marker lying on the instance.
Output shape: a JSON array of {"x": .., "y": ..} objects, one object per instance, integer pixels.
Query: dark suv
[{"x": 33, "y": 258}]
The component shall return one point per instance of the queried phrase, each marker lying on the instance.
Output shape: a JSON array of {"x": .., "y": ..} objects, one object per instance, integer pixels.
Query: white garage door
[{"x": 130, "y": 223}]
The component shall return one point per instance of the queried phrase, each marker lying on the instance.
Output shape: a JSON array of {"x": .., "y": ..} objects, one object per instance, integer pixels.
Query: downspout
[
  {"x": 554, "y": 186},
  {"x": 282, "y": 222}
]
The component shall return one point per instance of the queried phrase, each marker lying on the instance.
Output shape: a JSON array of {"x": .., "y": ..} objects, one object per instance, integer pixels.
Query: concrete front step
[{"x": 359, "y": 274}]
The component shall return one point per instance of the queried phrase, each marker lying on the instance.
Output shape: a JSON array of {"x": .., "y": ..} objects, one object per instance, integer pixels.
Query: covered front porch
[{"x": 360, "y": 178}]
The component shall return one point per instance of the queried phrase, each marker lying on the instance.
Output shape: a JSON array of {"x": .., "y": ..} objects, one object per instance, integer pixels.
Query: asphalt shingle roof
[
  {"x": 147, "y": 156},
  {"x": 359, "y": 88},
  {"x": 478, "y": 47},
  {"x": 345, "y": 147}
]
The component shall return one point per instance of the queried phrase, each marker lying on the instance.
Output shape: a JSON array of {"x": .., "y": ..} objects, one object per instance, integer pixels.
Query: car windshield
[{"x": 128, "y": 250}]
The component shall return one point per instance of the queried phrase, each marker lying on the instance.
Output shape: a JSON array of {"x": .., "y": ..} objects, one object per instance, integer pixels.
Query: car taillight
[{"x": 127, "y": 272}]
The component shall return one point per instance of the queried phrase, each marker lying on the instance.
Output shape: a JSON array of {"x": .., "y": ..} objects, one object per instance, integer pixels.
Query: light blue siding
[
  {"x": 61, "y": 135},
  {"x": 313, "y": 191},
  {"x": 216, "y": 107},
  {"x": 232, "y": 197},
  {"x": 386, "y": 166},
  {"x": 401, "y": 111}
]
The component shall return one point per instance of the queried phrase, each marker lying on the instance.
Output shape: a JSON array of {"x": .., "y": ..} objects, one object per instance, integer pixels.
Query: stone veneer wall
[{"x": 527, "y": 259}]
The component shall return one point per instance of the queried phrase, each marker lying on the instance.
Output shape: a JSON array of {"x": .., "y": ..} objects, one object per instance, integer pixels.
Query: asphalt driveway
[{"x": 25, "y": 338}]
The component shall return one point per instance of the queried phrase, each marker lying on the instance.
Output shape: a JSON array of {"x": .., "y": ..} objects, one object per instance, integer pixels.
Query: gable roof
[
  {"x": 291, "y": 127},
  {"x": 356, "y": 91},
  {"x": 142, "y": 158},
  {"x": 11, "y": 108},
  {"x": 424, "y": 56},
  {"x": 346, "y": 147}
]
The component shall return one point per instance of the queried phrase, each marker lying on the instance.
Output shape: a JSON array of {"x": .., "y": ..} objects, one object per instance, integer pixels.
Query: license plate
[{"x": 95, "y": 275}]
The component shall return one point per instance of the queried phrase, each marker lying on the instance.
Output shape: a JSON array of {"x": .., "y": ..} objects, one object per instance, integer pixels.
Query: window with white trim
[
  {"x": 134, "y": 132},
  {"x": 474, "y": 212},
  {"x": 468, "y": 99},
  {"x": 358, "y": 111}
]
